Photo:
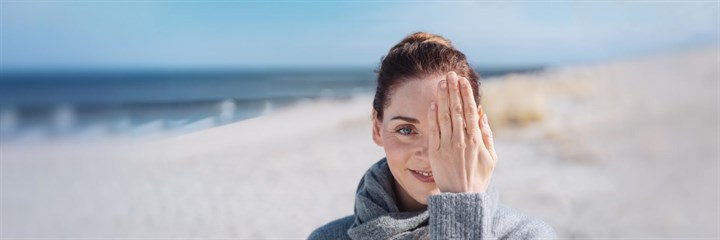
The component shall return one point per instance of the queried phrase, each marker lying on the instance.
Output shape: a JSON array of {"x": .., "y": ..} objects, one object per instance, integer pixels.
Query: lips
[{"x": 426, "y": 177}]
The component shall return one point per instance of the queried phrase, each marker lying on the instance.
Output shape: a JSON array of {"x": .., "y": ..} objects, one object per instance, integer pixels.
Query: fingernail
[
  {"x": 485, "y": 121},
  {"x": 443, "y": 84},
  {"x": 463, "y": 82},
  {"x": 432, "y": 106}
]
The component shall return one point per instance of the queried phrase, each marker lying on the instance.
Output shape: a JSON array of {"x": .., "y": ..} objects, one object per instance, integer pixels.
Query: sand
[{"x": 625, "y": 149}]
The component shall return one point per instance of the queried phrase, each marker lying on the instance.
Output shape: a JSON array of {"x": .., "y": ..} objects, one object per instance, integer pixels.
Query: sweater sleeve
[{"x": 461, "y": 215}]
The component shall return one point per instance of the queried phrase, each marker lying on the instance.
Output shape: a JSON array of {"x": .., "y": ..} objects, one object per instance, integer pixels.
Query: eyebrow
[{"x": 407, "y": 119}]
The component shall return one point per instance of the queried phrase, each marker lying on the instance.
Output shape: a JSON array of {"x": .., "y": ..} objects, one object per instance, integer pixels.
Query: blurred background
[{"x": 246, "y": 119}]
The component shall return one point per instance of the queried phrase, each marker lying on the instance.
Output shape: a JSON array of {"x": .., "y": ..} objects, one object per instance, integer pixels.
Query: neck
[{"x": 405, "y": 202}]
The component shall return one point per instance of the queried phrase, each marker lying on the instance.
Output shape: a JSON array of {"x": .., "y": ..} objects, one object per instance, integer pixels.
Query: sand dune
[{"x": 624, "y": 149}]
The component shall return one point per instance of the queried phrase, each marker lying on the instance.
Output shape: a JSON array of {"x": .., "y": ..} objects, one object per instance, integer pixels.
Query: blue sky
[{"x": 229, "y": 34}]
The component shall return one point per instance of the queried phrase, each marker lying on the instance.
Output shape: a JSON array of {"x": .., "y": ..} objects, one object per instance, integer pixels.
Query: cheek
[
  {"x": 398, "y": 149},
  {"x": 398, "y": 153}
]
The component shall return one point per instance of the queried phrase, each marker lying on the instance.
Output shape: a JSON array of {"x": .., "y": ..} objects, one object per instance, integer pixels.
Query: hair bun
[
  {"x": 423, "y": 37},
  {"x": 418, "y": 56}
]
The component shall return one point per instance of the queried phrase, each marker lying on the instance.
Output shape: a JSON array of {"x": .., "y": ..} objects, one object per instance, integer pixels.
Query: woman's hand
[{"x": 461, "y": 149}]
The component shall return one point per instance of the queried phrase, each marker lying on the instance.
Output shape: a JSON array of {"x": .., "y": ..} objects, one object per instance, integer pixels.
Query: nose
[{"x": 422, "y": 149}]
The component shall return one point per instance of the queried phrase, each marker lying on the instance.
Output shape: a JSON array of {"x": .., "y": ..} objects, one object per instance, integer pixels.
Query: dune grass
[{"x": 518, "y": 100}]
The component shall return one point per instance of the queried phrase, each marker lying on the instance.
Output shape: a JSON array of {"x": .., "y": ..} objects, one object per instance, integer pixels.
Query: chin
[
  {"x": 421, "y": 192},
  {"x": 422, "y": 198}
]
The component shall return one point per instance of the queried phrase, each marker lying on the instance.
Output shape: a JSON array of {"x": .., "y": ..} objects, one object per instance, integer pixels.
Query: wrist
[{"x": 479, "y": 187}]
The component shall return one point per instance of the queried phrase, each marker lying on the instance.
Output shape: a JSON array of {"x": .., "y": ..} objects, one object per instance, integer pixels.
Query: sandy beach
[{"x": 623, "y": 149}]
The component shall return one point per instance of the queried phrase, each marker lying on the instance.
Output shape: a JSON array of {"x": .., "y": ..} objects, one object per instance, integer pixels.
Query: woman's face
[{"x": 403, "y": 134}]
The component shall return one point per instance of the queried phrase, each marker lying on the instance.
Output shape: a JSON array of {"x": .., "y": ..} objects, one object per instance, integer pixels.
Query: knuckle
[
  {"x": 488, "y": 136},
  {"x": 459, "y": 145},
  {"x": 457, "y": 109},
  {"x": 473, "y": 141},
  {"x": 469, "y": 111},
  {"x": 445, "y": 118}
]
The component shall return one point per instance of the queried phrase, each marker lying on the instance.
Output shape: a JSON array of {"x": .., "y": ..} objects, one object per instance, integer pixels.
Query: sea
[{"x": 52, "y": 104}]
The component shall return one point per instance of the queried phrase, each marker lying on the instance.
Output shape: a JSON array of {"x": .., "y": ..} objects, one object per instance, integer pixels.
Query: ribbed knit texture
[
  {"x": 460, "y": 216},
  {"x": 448, "y": 216}
]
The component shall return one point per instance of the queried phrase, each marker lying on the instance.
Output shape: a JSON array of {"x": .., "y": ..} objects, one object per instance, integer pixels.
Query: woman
[{"x": 435, "y": 181}]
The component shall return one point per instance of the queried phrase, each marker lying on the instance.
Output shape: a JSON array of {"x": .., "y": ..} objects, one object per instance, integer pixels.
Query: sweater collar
[{"x": 376, "y": 211}]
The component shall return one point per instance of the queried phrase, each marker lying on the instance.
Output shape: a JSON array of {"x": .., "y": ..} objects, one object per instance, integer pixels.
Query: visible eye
[{"x": 406, "y": 131}]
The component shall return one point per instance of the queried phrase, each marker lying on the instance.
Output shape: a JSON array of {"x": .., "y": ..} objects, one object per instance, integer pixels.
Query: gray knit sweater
[{"x": 448, "y": 215}]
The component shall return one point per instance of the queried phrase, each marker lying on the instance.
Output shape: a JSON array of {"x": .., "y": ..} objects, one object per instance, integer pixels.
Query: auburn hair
[{"x": 418, "y": 55}]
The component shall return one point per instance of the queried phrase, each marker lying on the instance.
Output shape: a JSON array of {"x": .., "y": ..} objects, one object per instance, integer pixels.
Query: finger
[
  {"x": 443, "y": 114},
  {"x": 433, "y": 130},
  {"x": 487, "y": 136},
  {"x": 457, "y": 119},
  {"x": 456, "y": 108},
  {"x": 470, "y": 108},
  {"x": 472, "y": 129}
]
